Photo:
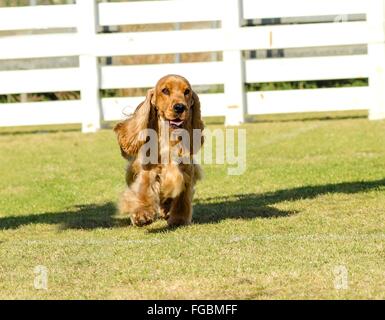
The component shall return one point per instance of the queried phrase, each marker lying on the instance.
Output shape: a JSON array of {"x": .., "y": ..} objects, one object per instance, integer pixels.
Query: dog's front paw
[
  {"x": 165, "y": 208},
  {"x": 174, "y": 221},
  {"x": 142, "y": 218}
]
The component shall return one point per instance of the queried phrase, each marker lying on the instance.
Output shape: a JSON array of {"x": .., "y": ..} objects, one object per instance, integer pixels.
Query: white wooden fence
[{"x": 233, "y": 72}]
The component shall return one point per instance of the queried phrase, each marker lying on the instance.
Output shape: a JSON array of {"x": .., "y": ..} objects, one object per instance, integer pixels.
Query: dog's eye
[
  {"x": 166, "y": 91},
  {"x": 187, "y": 92}
]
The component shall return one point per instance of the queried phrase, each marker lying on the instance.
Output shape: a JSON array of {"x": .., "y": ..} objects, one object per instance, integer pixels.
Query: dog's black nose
[{"x": 179, "y": 108}]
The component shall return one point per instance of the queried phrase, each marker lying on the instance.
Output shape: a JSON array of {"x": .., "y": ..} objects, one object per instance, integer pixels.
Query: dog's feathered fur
[{"x": 160, "y": 189}]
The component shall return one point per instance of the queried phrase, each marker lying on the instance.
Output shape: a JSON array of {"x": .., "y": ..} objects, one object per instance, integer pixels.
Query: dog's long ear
[
  {"x": 196, "y": 123},
  {"x": 128, "y": 130}
]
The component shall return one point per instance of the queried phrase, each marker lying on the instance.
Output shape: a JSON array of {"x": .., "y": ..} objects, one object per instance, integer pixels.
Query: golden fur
[{"x": 161, "y": 189}]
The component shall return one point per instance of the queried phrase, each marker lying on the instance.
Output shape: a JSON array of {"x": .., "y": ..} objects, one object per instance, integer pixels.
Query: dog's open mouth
[{"x": 176, "y": 123}]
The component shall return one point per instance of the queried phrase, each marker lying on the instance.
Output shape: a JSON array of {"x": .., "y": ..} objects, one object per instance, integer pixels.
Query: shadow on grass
[
  {"x": 81, "y": 217},
  {"x": 250, "y": 206},
  {"x": 212, "y": 210}
]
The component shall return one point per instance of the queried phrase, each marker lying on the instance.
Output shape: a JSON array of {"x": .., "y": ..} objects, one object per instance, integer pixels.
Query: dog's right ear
[{"x": 128, "y": 130}]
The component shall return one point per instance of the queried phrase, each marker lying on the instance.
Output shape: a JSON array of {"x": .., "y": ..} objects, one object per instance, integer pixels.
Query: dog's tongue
[{"x": 177, "y": 123}]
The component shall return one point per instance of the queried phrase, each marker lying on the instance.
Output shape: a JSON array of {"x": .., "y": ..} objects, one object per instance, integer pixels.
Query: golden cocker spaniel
[{"x": 159, "y": 140}]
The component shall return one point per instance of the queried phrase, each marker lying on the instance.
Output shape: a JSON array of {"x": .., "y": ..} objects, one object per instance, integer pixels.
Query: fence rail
[{"x": 232, "y": 38}]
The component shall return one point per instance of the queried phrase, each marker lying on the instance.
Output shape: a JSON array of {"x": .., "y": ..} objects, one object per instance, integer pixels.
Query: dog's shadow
[
  {"x": 212, "y": 210},
  {"x": 79, "y": 217}
]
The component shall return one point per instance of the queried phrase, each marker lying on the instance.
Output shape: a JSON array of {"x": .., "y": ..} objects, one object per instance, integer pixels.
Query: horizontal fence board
[
  {"x": 302, "y": 8},
  {"x": 120, "y": 108},
  {"x": 311, "y": 100},
  {"x": 172, "y": 11},
  {"x": 302, "y": 69},
  {"x": 61, "y": 112},
  {"x": 264, "y": 102},
  {"x": 40, "y": 46},
  {"x": 213, "y": 104},
  {"x": 250, "y": 38},
  {"x": 158, "y": 42},
  {"x": 145, "y": 76},
  {"x": 40, "y": 113},
  {"x": 301, "y": 35},
  {"x": 43, "y": 80},
  {"x": 206, "y": 73},
  {"x": 142, "y": 43},
  {"x": 38, "y": 17}
]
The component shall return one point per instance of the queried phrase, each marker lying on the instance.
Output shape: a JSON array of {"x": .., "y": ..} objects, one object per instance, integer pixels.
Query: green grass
[{"x": 312, "y": 199}]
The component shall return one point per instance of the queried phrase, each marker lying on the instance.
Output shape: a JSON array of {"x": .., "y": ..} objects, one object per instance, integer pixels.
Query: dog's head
[
  {"x": 172, "y": 100},
  {"x": 175, "y": 101}
]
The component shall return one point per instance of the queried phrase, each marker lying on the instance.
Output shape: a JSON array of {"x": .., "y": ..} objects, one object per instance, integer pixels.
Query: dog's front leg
[
  {"x": 172, "y": 181},
  {"x": 141, "y": 199},
  {"x": 181, "y": 208}
]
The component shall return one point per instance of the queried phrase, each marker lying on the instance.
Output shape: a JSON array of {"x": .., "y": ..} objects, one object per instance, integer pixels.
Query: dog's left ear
[{"x": 196, "y": 121}]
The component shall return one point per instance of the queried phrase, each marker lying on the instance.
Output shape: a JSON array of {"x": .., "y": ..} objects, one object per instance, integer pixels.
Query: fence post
[
  {"x": 234, "y": 69},
  {"x": 89, "y": 66},
  {"x": 376, "y": 52}
]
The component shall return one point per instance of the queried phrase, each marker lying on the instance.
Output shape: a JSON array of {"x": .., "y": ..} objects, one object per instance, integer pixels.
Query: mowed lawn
[{"x": 305, "y": 220}]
